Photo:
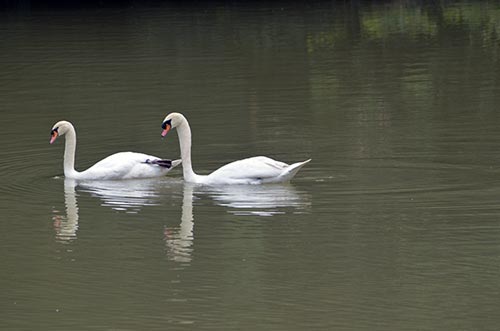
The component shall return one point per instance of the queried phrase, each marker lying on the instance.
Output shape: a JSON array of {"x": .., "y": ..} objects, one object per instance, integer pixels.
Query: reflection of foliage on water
[
  {"x": 325, "y": 39},
  {"x": 380, "y": 22},
  {"x": 483, "y": 21},
  {"x": 471, "y": 14},
  {"x": 413, "y": 22},
  {"x": 375, "y": 64}
]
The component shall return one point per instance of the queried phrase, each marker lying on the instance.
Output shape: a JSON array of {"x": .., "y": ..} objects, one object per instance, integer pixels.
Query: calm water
[{"x": 395, "y": 225}]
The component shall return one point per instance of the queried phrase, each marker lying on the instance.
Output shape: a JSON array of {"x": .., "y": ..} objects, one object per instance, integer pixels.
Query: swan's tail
[
  {"x": 289, "y": 172},
  {"x": 175, "y": 163}
]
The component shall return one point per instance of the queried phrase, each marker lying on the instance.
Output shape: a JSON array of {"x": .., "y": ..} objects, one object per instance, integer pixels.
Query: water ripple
[{"x": 22, "y": 173}]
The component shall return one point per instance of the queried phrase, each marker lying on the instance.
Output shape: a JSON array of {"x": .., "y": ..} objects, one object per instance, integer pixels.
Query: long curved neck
[
  {"x": 184, "y": 133},
  {"x": 69, "y": 154}
]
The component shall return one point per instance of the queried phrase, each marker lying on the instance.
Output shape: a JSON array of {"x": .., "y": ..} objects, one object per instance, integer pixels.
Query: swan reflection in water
[
  {"x": 66, "y": 226},
  {"x": 179, "y": 240},
  {"x": 260, "y": 200},
  {"x": 131, "y": 196},
  {"x": 254, "y": 200},
  {"x": 128, "y": 196}
]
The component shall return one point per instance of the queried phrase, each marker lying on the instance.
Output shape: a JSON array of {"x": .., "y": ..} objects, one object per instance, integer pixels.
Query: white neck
[
  {"x": 184, "y": 133},
  {"x": 69, "y": 154}
]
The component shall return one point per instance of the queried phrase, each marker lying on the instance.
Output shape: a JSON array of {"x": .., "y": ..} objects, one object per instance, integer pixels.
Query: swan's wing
[
  {"x": 253, "y": 170},
  {"x": 162, "y": 163},
  {"x": 126, "y": 165}
]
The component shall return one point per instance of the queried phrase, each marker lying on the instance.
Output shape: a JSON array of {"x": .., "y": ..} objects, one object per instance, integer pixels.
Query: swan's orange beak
[
  {"x": 166, "y": 128},
  {"x": 53, "y": 137}
]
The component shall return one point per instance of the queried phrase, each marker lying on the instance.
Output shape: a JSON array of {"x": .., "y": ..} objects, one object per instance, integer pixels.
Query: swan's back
[
  {"x": 125, "y": 165},
  {"x": 254, "y": 170}
]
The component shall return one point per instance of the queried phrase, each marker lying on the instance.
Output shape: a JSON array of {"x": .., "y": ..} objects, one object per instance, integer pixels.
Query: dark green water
[{"x": 394, "y": 225}]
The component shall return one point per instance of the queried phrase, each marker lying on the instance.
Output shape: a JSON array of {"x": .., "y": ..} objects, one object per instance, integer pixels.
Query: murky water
[{"x": 394, "y": 225}]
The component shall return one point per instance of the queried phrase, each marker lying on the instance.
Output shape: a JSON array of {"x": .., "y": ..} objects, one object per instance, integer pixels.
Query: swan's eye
[
  {"x": 164, "y": 125},
  {"x": 54, "y": 131}
]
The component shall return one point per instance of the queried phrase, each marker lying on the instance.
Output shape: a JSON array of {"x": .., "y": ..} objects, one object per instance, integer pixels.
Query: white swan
[
  {"x": 124, "y": 165},
  {"x": 254, "y": 170}
]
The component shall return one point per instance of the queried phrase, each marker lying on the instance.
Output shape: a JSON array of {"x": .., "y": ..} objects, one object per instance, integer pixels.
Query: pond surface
[{"x": 394, "y": 225}]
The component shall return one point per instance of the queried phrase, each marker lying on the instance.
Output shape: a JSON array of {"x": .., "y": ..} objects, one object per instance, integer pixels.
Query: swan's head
[
  {"x": 59, "y": 129},
  {"x": 171, "y": 121}
]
